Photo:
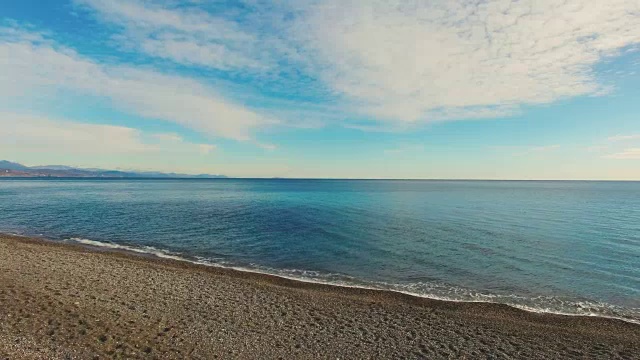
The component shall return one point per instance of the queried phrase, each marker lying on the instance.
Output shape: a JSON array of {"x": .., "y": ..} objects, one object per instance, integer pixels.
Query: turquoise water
[{"x": 567, "y": 247}]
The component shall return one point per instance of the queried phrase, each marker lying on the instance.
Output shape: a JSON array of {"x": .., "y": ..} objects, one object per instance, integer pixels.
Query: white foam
[
  {"x": 141, "y": 250},
  {"x": 435, "y": 291}
]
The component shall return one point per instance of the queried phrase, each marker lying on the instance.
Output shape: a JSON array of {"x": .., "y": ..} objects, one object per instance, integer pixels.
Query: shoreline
[
  {"x": 450, "y": 316},
  {"x": 160, "y": 254}
]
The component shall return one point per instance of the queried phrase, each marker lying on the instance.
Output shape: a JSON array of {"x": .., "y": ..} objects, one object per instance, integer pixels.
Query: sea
[{"x": 568, "y": 247}]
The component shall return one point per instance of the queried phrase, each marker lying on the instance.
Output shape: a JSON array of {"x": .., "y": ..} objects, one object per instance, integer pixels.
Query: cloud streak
[
  {"x": 405, "y": 148},
  {"x": 628, "y": 154},
  {"x": 31, "y": 65},
  {"x": 619, "y": 138},
  {"x": 187, "y": 36},
  {"x": 27, "y": 133},
  {"x": 527, "y": 150}
]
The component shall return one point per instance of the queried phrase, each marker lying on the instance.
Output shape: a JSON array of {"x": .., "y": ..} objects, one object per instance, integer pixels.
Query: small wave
[
  {"x": 137, "y": 249},
  {"x": 538, "y": 304},
  {"x": 431, "y": 290}
]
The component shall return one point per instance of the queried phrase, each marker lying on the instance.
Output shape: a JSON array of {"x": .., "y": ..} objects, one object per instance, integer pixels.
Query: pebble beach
[{"x": 64, "y": 301}]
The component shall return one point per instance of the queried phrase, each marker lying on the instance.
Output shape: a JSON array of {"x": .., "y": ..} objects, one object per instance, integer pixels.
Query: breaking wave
[{"x": 431, "y": 290}]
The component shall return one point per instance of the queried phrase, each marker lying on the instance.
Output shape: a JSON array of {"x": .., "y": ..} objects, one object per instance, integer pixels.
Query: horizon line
[{"x": 224, "y": 177}]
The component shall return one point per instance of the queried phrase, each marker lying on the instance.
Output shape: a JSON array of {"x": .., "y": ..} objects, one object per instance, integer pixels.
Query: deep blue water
[{"x": 571, "y": 247}]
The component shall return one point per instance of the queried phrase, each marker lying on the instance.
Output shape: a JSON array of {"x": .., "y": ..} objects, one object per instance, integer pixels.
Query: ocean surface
[{"x": 565, "y": 247}]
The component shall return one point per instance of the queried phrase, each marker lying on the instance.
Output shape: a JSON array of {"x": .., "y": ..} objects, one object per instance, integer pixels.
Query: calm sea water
[{"x": 569, "y": 247}]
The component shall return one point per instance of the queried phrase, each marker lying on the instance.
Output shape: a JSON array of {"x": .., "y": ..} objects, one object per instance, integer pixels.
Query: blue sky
[{"x": 355, "y": 89}]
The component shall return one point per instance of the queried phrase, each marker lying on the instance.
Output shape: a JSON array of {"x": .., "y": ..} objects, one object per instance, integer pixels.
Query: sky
[{"x": 442, "y": 89}]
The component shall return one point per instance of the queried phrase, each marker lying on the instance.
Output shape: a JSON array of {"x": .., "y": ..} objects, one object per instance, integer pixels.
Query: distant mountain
[
  {"x": 12, "y": 169},
  {"x": 8, "y": 165},
  {"x": 53, "y": 167}
]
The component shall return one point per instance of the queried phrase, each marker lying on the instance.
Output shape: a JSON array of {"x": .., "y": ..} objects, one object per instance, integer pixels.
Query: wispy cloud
[
  {"x": 624, "y": 137},
  {"x": 269, "y": 147},
  {"x": 405, "y": 148},
  {"x": 407, "y": 60},
  {"x": 206, "y": 148},
  {"x": 628, "y": 154},
  {"x": 526, "y": 150},
  {"x": 544, "y": 148},
  {"x": 371, "y": 65},
  {"x": 188, "y": 36},
  {"x": 168, "y": 137},
  {"x": 597, "y": 148},
  {"x": 32, "y": 66},
  {"x": 27, "y": 133},
  {"x": 393, "y": 61}
]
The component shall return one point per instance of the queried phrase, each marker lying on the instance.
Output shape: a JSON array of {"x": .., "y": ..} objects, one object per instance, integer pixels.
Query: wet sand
[{"x": 68, "y": 301}]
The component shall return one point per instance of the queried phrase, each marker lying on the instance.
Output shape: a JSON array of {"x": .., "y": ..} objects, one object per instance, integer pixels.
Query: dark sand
[{"x": 68, "y": 301}]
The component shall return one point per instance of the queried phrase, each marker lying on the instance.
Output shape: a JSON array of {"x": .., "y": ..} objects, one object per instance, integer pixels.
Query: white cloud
[
  {"x": 31, "y": 66},
  {"x": 394, "y": 60},
  {"x": 537, "y": 150},
  {"x": 405, "y": 148},
  {"x": 628, "y": 154},
  {"x": 206, "y": 148},
  {"x": 406, "y": 60},
  {"x": 32, "y": 133},
  {"x": 527, "y": 150},
  {"x": 624, "y": 137},
  {"x": 266, "y": 146},
  {"x": 27, "y": 133},
  {"x": 597, "y": 148},
  {"x": 372, "y": 128},
  {"x": 168, "y": 137},
  {"x": 187, "y": 36},
  {"x": 399, "y": 62},
  {"x": 544, "y": 148}
]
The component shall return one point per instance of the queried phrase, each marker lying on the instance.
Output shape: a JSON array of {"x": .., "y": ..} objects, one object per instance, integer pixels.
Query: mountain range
[{"x": 13, "y": 169}]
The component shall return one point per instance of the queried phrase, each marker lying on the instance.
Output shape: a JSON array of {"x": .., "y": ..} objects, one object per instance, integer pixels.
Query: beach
[{"x": 66, "y": 301}]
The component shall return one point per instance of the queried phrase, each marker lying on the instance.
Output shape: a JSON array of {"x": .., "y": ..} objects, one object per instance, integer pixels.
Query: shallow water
[{"x": 568, "y": 247}]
